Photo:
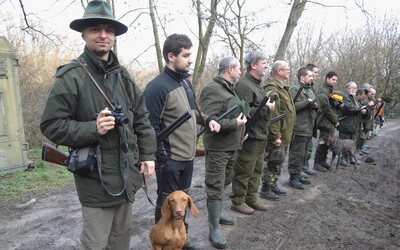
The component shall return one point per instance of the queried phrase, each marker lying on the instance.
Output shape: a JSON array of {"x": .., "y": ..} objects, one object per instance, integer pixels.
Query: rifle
[
  {"x": 379, "y": 110},
  {"x": 297, "y": 94},
  {"x": 53, "y": 154},
  {"x": 171, "y": 128},
  {"x": 233, "y": 108},
  {"x": 278, "y": 118},
  {"x": 346, "y": 116},
  {"x": 252, "y": 120}
]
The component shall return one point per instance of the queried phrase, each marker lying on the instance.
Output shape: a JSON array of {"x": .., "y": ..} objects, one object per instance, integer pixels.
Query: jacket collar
[
  {"x": 227, "y": 84},
  {"x": 100, "y": 66},
  {"x": 252, "y": 78},
  {"x": 175, "y": 75}
]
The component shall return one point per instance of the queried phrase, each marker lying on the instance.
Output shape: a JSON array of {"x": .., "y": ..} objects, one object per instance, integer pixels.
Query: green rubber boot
[{"x": 214, "y": 212}]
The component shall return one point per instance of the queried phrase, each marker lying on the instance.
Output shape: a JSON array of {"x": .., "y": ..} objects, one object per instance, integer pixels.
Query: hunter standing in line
[
  {"x": 221, "y": 148},
  {"x": 248, "y": 168},
  {"x": 306, "y": 111},
  {"x": 280, "y": 133},
  {"x": 168, "y": 96},
  {"x": 77, "y": 115},
  {"x": 327, "y": 119}
]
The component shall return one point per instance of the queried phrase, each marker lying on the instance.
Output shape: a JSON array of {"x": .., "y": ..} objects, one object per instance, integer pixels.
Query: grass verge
[{"x": 43, "y": 178}]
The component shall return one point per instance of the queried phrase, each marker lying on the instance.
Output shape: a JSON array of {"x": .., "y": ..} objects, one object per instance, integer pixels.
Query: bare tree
[
  {"x": 237, "y": 25},
  {"x": 204, "y": 37},
  {"x": 156, "y": 36},
  {"x": 294, "y": 16}
]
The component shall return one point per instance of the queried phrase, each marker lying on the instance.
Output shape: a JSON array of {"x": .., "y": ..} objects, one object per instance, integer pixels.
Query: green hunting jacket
[
  {"x": 216, "y": 98},
  {"x": 69, "y": 119},
  {"x": 249, "y": 89},
  {"x": 351, "y": 114},
  {"x": 327, "y": 109},
  {"x": 305, "y": 114},
  {"x": 282, "y": 129}
]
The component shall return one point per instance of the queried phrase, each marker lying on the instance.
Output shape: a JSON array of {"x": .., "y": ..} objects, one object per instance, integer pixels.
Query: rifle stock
[
  {"x": 53, "y": 154},
  {"x": 200, "y": 152}
]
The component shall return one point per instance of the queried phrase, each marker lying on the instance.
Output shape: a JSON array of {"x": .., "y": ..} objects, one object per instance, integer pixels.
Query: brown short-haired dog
[
  {"x": 343, "y": 148},
  {"x": 170, "y": 231}
]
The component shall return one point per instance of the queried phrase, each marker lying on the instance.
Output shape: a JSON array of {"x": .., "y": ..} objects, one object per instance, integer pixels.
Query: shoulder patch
[{"x": 64, "y": 68}]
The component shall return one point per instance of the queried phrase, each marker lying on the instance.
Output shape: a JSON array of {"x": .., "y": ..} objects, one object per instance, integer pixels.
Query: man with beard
[
  {"x": 167, "y": 97},
  {"x": 306, "y": 111}
]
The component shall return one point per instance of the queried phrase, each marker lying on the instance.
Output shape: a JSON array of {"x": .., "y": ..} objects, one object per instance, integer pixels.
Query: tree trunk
[
  {"x": 294, "y": 16},
  {"x": 156, "y": 36},
  {"x": 204, "y": 40}
]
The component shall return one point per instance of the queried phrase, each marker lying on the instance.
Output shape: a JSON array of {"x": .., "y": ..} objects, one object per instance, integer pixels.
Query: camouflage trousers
[{"x": 272, "y": 169}]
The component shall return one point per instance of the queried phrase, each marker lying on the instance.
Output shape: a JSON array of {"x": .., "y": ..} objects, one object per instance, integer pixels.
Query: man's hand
[
  {"x": 241, "y": 120},
  {"x": 277, "y": 142},
  {"x": 270, "y": 105},
  {"x": 105, "y": 122},
  {"x": 147, "y": 167},
  {"x": 214, "y": 126}
]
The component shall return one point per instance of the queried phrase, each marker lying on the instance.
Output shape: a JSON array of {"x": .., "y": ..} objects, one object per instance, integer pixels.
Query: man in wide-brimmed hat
[{"x": 94, "y": 102}]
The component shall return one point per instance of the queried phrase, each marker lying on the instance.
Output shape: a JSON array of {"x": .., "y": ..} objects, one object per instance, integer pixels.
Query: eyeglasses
[{"x": 285, "y": 69}]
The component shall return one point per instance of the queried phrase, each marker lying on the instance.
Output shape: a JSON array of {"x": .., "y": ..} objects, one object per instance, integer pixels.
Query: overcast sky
[{"x": 58, "y": 15}]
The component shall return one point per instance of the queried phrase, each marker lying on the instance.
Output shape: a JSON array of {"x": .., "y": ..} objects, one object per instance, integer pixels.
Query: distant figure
[
  {"x": 326, "y": 120},
  {"x": 350, "y": 116}
]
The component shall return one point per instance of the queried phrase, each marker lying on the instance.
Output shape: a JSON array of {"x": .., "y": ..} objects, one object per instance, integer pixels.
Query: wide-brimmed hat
[{"x": 98, "y": 12}]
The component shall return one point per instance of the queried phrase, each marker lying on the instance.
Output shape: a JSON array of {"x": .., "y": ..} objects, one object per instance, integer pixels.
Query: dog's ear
[
  {"x": 166, "y": 208},
  {"x": 193, "y": 208},
  {"x": 330, "y": 140}
]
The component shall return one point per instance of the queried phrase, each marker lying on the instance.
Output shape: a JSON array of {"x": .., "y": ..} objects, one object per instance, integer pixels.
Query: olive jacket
[
  {"x": 327, "y": 109},
  {"x": 215, "y": 98},
  {"x": 305, "y": 113},
  {"x": 249, "y": 89},
  {"x": 350, "y": 114},
  {"x": 69, "y": 119},
  {"x": 282, "y": 129}
]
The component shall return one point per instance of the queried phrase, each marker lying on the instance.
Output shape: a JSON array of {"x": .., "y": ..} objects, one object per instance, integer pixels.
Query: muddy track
[{"x": 347, "y": 209}]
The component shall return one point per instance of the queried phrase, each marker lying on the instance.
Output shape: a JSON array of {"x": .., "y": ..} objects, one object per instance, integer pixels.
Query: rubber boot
[
  {"x": 214, "y": 212},
  {"x": 226, "y": 219}
]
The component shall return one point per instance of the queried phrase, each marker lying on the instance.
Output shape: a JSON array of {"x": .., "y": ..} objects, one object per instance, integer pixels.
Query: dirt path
[{"x": 349, "y": 209}]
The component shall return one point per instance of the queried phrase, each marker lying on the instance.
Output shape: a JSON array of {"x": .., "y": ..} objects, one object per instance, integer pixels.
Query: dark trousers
[
  {"x": 247, "y": 172},
  {"x": 298, "y": 151},
  {"x": 322, "y": 149},
  {"x": 219, "y": 167},
  {"x": 172, "y": 176}
]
